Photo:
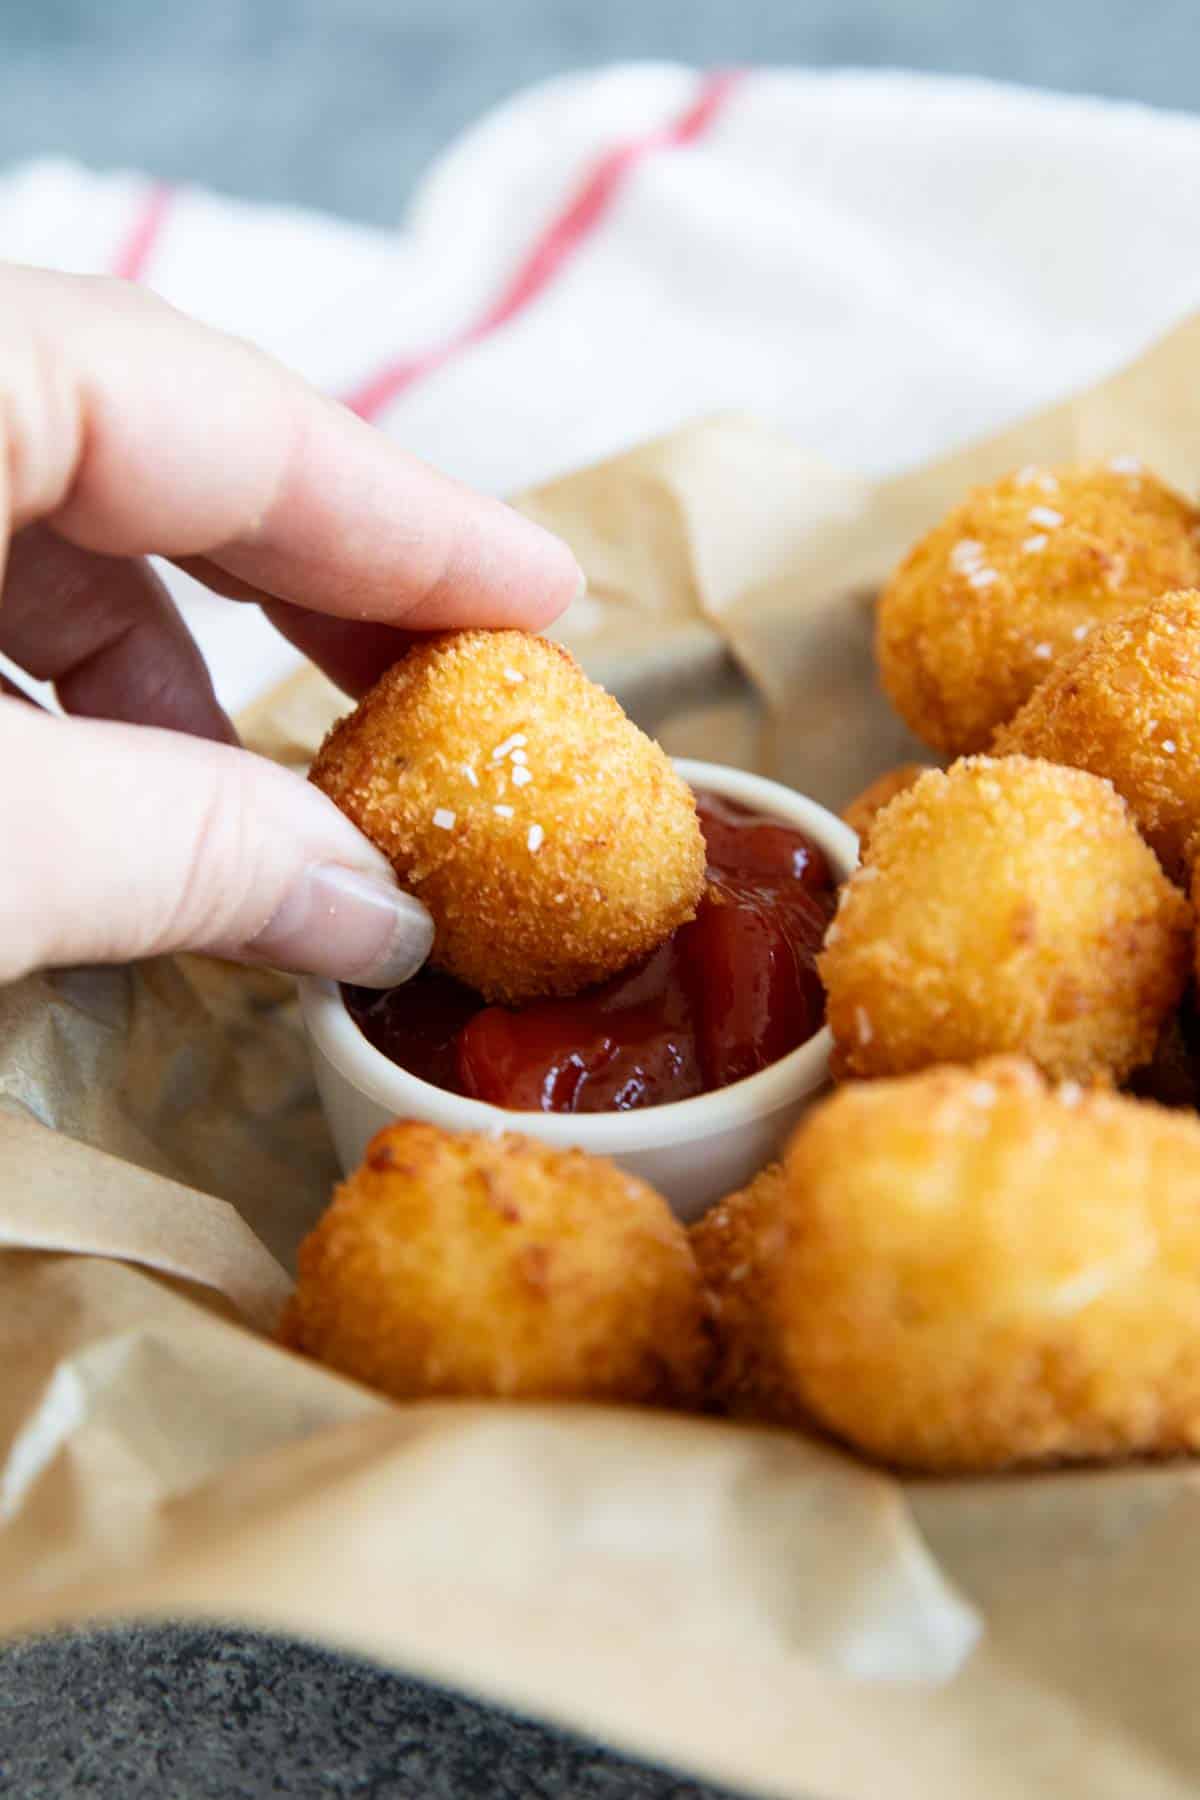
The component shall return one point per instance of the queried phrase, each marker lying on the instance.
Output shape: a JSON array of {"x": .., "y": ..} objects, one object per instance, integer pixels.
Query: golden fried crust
[
  {"x": 495, "y": 1266},
  {"x": 551, "y": 840},
  {"x": 861, "y": 813},
  {"x": 982, "y": 609},
  {"x": 1006, "y": 905},
  {"x": 735, "y": 1244},
  {"x": 1126, "y": 706},
  {"x": 980, "y": 1271}
]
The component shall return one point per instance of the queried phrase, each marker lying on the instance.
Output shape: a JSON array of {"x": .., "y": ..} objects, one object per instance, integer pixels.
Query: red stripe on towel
[
  {"x": 557, "y": 244},
  {"x": 133, "y": 256}
]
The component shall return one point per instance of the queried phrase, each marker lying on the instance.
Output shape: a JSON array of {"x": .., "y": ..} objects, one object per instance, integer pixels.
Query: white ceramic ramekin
[{"x": 692, "y": 1151}]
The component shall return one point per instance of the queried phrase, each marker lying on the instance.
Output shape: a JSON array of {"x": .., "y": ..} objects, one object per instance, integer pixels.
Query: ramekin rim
[{"x": 802, "y": 1071}]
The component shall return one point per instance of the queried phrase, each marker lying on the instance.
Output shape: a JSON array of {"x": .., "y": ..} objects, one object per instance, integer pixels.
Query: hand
[{"x": 136, "y": 825}]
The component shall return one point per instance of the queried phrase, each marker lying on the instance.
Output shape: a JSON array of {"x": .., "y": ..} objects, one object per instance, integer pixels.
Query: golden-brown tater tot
[
  {"x": 1127, "y": 706},
  {"x": 735, "y": 1243},
  {"x": 551, "y": 840},
  {"x": 981, "y": 1271},
  {"x": 1005, "y": 905},
  {"x": 477, "y": 1265},
  {"x": 861, "y": 813},
  {"x": 985, "y": 605}
]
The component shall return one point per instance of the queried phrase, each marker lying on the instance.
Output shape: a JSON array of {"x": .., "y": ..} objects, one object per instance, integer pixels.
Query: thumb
[{"x": 120, "y": 841}]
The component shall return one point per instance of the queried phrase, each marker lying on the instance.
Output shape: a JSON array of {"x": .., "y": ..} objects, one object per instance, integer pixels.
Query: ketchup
[{"x": 723, "y": 997}]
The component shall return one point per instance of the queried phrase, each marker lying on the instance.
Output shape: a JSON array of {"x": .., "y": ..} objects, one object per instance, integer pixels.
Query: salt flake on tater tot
[{"x": 552, "y": 841}]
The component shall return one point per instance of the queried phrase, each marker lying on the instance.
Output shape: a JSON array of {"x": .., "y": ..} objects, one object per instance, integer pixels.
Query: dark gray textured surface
[
  {"x": 207, "y": 1715},
  {"x": 340, "y": 103}
]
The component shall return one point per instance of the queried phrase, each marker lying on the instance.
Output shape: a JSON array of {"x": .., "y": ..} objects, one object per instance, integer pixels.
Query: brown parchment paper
[{"x": 749, "y": 1605}]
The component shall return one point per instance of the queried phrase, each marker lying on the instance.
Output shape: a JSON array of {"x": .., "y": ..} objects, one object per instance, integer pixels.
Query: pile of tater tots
[{"x": 982, "y": 1249}]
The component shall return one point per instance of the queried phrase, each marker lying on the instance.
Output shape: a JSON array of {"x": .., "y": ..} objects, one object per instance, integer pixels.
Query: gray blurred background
[{"x": 340, "y": 103}]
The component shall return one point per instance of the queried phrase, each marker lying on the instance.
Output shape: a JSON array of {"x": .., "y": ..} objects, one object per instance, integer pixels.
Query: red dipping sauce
[{"x": 722, "y": 998}]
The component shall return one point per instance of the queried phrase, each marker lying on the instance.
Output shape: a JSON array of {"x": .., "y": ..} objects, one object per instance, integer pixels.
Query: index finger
[{"x": 134, "y": 430}]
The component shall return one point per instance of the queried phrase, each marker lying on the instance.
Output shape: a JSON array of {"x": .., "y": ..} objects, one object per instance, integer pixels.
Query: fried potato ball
[
  {"x": 496, "y": 1266},
  {"x": 736, "y": 1243},
  {"x": 1127, "y": 706},
  {"x": 985, "y": 605},
  {"x": 551, "y": 840},
  {"x": 861, "y": 813},
  {"x": 979, "y": 1270},
  {"x": 1005, "y": 905}
]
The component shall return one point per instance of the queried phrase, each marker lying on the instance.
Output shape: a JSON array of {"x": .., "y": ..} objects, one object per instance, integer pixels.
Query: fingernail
[{"x": 349, "y": 926}]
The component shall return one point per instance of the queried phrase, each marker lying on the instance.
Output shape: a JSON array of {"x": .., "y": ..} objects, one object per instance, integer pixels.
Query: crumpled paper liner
[{"x": 761, "y": 1609}]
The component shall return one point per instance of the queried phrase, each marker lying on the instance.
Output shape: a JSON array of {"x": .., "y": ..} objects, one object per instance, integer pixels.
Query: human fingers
[
  {"x": 124, "y": 841},
  {"x": 105, "y": 631},
  {"x": 353, "y": 652},
  {"x": 133, "y": 430},
  {"x": 353, "y": 656}
]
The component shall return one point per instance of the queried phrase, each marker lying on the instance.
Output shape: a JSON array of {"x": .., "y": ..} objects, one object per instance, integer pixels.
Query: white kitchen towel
[{"x": 879, "y": 264}]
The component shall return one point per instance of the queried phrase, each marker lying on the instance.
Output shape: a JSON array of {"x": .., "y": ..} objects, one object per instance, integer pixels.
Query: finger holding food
[
  {"x": 1007, "y": 904},
  {"x": 480, "y": 1266},
  {"x": 1127, "y": 706},
  {"x": 1013, "y": 580},
  {"x": 980, "y": 1270},
  {"x": 551, "y": 840}
]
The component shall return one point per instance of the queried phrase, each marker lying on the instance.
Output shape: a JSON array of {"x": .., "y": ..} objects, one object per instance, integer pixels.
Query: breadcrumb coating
[
  {"x": 1127, "y": 706},
  {"x": 981, "y": 1271},
  {"x": 551, "y": 840},
  {"x": 987, "y": 604},
  {"x": 1005, "y": 905},
  {"x": 736, "y": 1243},
  {"x": 496, "y": 1266},
  {"x": 861, "y": 813}
]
